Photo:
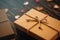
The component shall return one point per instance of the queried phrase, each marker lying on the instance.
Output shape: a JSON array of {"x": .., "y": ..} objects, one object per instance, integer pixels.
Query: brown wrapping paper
[
  {"x": 5, "y": 26},
  {"x": 3, "y": 17},
  {"x": 46, "y": 32},
  {"x": 33, "y": 22},
  {"x": 6, "y": 29}
]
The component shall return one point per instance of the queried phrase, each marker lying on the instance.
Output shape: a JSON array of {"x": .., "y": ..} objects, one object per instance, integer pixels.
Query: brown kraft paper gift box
[
  {"x": 39, "y": 25},
  {"x": 6, "y": 29}
]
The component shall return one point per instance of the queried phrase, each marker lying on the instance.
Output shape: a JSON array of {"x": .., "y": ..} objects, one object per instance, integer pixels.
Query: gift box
[
  {"x": 3, "y": 17},
  {"x": 6, "y": 29},
  {"x": 39, "y": 25}
]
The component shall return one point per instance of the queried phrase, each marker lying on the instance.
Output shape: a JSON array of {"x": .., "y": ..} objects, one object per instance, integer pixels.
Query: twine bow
[{"x": 44, "y": 20}]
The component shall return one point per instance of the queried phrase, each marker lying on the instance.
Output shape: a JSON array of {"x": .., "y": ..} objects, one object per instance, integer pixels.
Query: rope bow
[{"x": 36, "y": 19}]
